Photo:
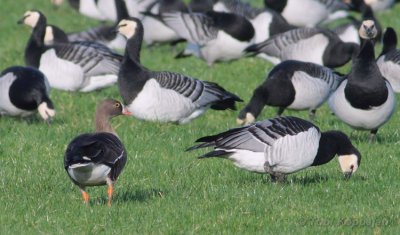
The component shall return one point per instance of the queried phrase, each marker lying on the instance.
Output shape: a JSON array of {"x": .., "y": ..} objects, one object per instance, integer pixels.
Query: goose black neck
[
  {"x": 256, "y": 104},
  {"x": 35, "y": 44},
  {"x": 389, "y": 41},
  {"x": 134, "y": 45},
  {"x": 122, "y": 11},
  {"x": 367, "y": 52},
  {"x": 332, "y": 143}
]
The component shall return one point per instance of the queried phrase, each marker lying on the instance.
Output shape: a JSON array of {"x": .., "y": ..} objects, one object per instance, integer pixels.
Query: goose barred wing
[
  {"x": 93, "y": 60},
  {"x": 202, "y": 93},
  {"x": 197, "y": 28},
  {"x": 278, "y": 43},
  {"x": 393, "y": 56},
  {"x": 333, "y": 79},
  {"x": 334, "y": 5},
  {"x": 256, "y": 137},
  {"x": 98, "y": 34}
]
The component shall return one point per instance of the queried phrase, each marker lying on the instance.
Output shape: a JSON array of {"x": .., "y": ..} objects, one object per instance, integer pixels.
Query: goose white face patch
[
  {"x": 45, "y": 112},
  {"x": 127, "y": 28},
  {"x": 348, "y": 163},
  {"x": 31, "y": 18},
  {"x": 49, "y": 36},
  {"x": 368, "y": 29}
]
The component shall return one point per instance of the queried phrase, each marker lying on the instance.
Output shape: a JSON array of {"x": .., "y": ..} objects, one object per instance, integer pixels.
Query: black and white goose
[
  {"x": 93, "y": 159},
  {"x": 389, "y": 59},
  {"x": 105, "y": 34},
  {"x": 281, "y": 146},
  {"x": 69, "y": 66},
  {"x": 96, "y": 9},
  {"x": 308, "y": 13},
  {"x": 365, "y": 100},
  {"x": 164, "y": 96},
  {"x": 294, "y": 85},
  {"x": 319, "y": 46},
  {"x": 155, "y": 30},
  {"x": 213, "y": 36},
  {"x": 377, "y": 5},
  {"x": 23, "y": 90}
]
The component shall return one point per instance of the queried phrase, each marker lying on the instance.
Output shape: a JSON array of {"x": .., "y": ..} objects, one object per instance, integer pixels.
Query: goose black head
[{"x": 368, "y": 30}]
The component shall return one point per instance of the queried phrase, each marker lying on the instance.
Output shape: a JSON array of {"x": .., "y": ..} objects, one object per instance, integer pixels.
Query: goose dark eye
[
  {"x": 117, "y": 105},
  {"x": 352, "y": 167}
]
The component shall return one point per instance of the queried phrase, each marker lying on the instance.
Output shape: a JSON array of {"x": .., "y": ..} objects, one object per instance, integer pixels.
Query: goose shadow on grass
[{"x": 313, "y": 179}]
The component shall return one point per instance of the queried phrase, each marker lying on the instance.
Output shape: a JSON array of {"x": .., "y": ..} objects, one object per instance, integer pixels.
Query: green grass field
[{"x": 165, "y": 190}]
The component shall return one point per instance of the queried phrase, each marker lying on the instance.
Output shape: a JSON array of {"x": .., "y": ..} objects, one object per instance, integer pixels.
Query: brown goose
[{"x": 93, "y": 159}]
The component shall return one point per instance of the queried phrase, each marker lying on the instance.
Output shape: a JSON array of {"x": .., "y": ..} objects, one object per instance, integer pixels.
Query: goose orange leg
[
  {"x": 109, "y": 191},
  {"x": 85, "y": 195}
]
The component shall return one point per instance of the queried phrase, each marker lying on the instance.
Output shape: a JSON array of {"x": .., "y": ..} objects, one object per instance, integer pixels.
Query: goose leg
[
  {"x": 372, "y": 136},
  {"x": 311, "y": 114},
  {"x": 85, "y": 195},
  {"x": 275, "y": 176},
  {"x": 109, "y": 191}
]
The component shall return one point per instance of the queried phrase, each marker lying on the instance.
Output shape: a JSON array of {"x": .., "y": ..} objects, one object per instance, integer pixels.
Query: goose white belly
[
  {"x": 223, "y": 48},
  {"x": 62, "y": 74},
  {"x": 295, "y": 10},
  {"x": 6, "y": 107},
  {"x": 155, "y": 31},
  {"x": 293, "y": 153},
  {"x": 156, "y": 103},
  {"x": 248, "y": 160},
  {"x": 261, "y": 25},
  {"x": 310, "y": 92},
  {"x": 89, "y": 174},
  {"x": 380, "y": 5},
  {"x": 350, "y": 35},
  {"x": 390, "y": 71},
  {"x": 307, "y": 50},
  {"x": 359, "y": 118}
]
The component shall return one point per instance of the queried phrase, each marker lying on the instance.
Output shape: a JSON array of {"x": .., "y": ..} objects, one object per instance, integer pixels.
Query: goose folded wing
[
  {"x": 283, "y": 41},
  {"x": 256, "y": 137},
  {"x": 100, "y": 148},
  {"x": 201, "y": 93},
  {"x": 196, "y": 28},
  {"x": 92, "y": 60}
]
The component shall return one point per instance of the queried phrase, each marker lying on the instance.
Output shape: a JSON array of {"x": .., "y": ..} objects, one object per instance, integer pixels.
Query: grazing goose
[
  {"x": 294, "y": 85},
  {"x": 69, "y": 66},
  {"x": 365, "y": 100},
  {"x": 24, "y": 90},
  {"x": 281, "y": 146},
  {"x": 214, "y": 36},
  {"x": 389, "y": 60},
  {"x": 201, "y": 6},
  {"x": 87, "y": 8},
  {"x": 319, "y": 46},
  {"x": 164, "y": 96},
  {"x": 105, "y": 34},
  {"x": 308, "y": 13},
  {"x": 155, "y": 30},
  {"x": 98, "y": 158}
]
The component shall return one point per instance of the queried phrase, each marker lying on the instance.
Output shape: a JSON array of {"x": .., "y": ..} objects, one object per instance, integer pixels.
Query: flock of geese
[{"x": 287, "y": 33}]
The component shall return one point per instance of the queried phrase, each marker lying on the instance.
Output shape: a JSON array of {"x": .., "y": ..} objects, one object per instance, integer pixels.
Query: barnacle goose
[
  {"x": 319, "y": 46},
  {"x": 69, "y": 66},
  {"x": 155, "y": 30},
  {"x": 281, "y": 146},
  {"x": 389, "y": 59},
  {"x": 376, "y": 5},
  {"x": 308, "y": 13},
  {"x": 24, "y": 90},
  {"x": 294, "y": 85},
  {"x": 93, "y": 159},
  {"x": 164, "y": 96},
  {"x": 365, "y": 100},
  {"x": 213, "y": 36}
]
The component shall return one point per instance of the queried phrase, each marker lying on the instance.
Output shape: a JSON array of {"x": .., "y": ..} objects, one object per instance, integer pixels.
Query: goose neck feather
[{"x": 33, "y": 50}]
